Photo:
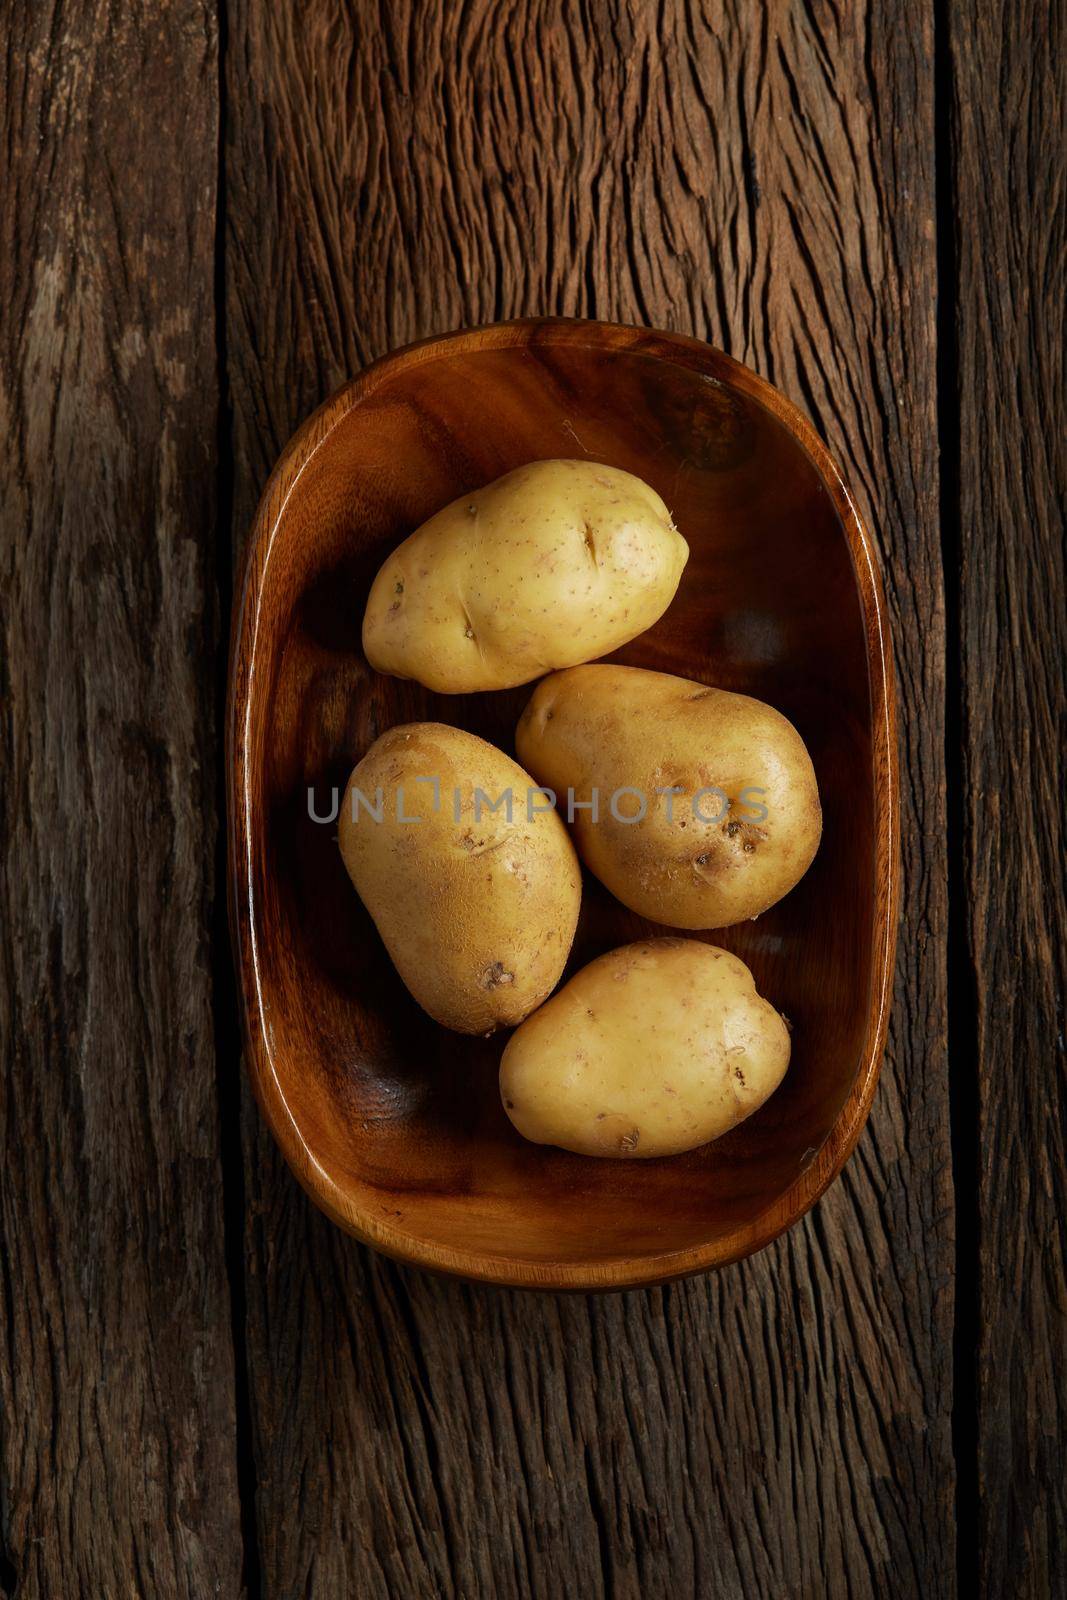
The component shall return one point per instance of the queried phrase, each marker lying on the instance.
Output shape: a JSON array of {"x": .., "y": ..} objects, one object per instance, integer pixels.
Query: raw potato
[
  {"x": 703, "y": 865},
  {"x": 478, "y": 914},
  {"x": 555, "y": 563},
  {"x": 650, "y": 1050}
]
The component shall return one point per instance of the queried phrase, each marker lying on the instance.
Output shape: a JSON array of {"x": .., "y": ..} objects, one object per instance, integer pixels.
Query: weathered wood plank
[
  {"x": 116, "y": 1377},
  {"x": 1010, "y": 94},
  {"x": 762, "y": 177}
]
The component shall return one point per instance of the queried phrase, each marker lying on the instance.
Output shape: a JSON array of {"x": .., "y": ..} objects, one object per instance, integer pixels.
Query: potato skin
[
  {"x": 478, "y": 915},
  {"x": 554, "y": 563},
  {"x": 650, "y": 1050},
  {"x": 612, "y": 727}
]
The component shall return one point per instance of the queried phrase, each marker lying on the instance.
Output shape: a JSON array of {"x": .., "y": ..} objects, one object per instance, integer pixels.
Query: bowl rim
[{"x": 622, "y": 1272}]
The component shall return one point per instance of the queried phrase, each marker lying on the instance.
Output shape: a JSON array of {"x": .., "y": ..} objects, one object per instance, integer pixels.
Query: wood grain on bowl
[{"x": 393, "y": 1124}]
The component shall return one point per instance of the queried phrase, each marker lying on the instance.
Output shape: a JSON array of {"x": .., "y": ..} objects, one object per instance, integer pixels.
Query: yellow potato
[
  {"x": 744, "y": 824},
  {"x": 650, "y": 1050},
  {"x": 477, "y": 912},
  {"x": 555, "y": 563}
]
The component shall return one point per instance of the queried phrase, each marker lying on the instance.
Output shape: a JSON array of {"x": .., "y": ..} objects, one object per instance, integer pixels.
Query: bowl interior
[{"x": 401, "y": 1119}]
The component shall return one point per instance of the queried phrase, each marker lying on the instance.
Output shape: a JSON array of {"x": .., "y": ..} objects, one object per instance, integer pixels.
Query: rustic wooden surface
[
  {"x": 1011, "y": 194},
  {"x": 800, "y": 185},
  {"x": 630, "y": 1445},
  {"x": 117, "y": 1455}
]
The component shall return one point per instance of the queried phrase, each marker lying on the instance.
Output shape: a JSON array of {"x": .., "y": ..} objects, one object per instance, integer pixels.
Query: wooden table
[{"x": 213, "y": 216}]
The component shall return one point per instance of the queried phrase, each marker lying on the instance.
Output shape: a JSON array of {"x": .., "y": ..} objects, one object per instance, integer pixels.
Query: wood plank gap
[
  {"x": 228, "y": 1064},
  {"x": 964, "y": 1110},
  {"x": 962, "y": 1018}
]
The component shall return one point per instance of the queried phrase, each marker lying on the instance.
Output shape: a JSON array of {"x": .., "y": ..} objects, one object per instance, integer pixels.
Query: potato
[
  {"x": 555, "y": 563},
  {"x": 745, "y": 823},
  {"x": 476, "y": 910},
  {"x": 648, "y": 1051}
]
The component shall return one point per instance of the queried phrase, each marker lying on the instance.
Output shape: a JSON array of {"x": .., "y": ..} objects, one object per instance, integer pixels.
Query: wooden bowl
[{"x": 392, "y": 1124}]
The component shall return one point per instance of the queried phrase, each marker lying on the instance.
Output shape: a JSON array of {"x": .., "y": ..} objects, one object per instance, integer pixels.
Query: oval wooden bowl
[{"x": 393, "y": 1124}]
